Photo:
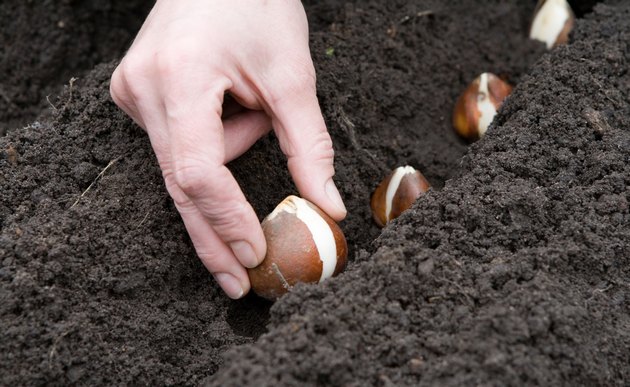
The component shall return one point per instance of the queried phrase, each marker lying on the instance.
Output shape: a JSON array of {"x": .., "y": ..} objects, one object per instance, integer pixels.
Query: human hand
[{"x": 172, "y": 82}]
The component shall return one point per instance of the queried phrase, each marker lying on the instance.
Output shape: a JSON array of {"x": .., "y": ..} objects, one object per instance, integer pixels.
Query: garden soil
[{"x": 513, "y": 270}]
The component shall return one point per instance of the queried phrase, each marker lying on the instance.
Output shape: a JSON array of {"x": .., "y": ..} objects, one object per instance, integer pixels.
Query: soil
[
  {"x": 46, "y": 43},
  {"x": 513, "y": 270}
]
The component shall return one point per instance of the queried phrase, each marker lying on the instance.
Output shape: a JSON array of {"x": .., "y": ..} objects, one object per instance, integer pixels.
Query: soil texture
[
  {"x": 513, "y": 270},
  {"x": 47, "y": 43}
]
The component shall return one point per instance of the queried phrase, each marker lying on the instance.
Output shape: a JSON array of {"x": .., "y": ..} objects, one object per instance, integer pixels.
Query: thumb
[{"x": 304, "y": 139}]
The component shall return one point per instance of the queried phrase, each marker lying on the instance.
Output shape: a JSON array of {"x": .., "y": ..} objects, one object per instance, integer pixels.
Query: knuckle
[
  {"x": 173, "y": 59},
  {"x": 167, "y": 63},
  {"x": 295, "y": 80},
  {"x": 228, "y": 216},
  {"x": 120, "y": 93},
  {"x": 228, "y": 219},
  {"x": 117, "y": 86},
  {"x": 190, "y": 176},
  {"x": 134, "y": 66},
  {"x": 319, "y": 150},
  {"x": 132, "y": 70},
  {"x": 323, "y": 145},
  {"x": 303, "y": 78},
  {"x": 182, "y": 202},
  {"x": 211, "y": 258}
]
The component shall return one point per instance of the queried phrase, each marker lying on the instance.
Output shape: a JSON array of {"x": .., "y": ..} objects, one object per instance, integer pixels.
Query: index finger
[{"x": 193, "y": 111}]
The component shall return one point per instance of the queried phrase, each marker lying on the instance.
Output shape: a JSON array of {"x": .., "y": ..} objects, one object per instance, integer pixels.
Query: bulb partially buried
[
  {"x": 478, "y": 104},
  {"x": 552, "y": 23},
  {"x": 303, "y": 245},
  {"x": 396, "y": 193}
]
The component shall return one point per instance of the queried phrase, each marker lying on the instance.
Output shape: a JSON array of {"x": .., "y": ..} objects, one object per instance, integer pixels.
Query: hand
[{"x": 172, "y": 82}]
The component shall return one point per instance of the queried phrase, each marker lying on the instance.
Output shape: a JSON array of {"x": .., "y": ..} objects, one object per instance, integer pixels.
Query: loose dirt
[{"x": 512, "y": 270}]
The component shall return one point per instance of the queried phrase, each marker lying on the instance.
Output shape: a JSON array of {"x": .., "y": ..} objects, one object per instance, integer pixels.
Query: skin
[{"x": 206, "y": 79}]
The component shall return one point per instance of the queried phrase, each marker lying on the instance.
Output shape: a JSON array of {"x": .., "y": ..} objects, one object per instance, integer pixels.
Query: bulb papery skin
[
  {"x": 303, "y": 245},
  {"x": 552, "y": 23},
  {"x": 397, "y": 193},
  {"x": 477, "y": 106}
]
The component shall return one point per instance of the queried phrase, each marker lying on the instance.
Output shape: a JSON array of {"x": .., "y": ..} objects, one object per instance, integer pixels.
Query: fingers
[
  {"x": 119, "y": 90},
  {"x": 243, "y": 130},
  {"x": 172, "y": 82},
  {"x": 187, "y": 136},
  {"x": 198, "y": 154},
  {"x": 230, "y": 106},
  {"x": 214, "y": 254},
  {"x": 300, "y": 127}
]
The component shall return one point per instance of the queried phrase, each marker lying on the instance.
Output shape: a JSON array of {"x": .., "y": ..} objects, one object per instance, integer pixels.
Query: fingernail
[
  {"x": 334, "y": 196},
  {"x": 244, "y": 253},
  {"x": 230, "y": 285}
]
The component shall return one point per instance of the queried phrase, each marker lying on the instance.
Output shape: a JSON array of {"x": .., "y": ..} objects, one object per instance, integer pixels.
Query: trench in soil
[
  {"x": 247, "y": 317},
  {"x": 250, "y": 316},
  {"x": 423, "y": 139}
]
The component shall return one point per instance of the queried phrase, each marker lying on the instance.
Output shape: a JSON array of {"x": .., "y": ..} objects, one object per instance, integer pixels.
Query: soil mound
[{"x": 513, "y": 270}]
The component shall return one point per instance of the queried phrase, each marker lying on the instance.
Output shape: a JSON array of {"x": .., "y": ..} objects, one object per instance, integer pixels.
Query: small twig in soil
[
  {"x": 51, "y": 104},
  {"x": 71, "y": 87},
  {"x": 604, "y": 290},
  {"x": 406, "y": 18},
  {"x": 143, "y": 219},
  {"x": 596, "y": 292},
  {"x": 348, "y": 127},
  {"x": 53, "y": 348},
  {"x": 95, "y": 180},
  {"x": 601, "y": 88},
  {"x": 276, "y": 270}
]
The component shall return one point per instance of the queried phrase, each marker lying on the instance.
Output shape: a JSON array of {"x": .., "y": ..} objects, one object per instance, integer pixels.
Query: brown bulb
[
  {"x": 478, "y": 104},
  {"x": 552, "y": 23},
  {"x": 397, "y": 193},
  {"x": 303, "y": 245}
]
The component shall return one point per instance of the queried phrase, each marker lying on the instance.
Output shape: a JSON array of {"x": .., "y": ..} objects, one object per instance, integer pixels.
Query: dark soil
[
  {"x": 46, "y": 43},
  {"x": 512, "y": 271}
]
